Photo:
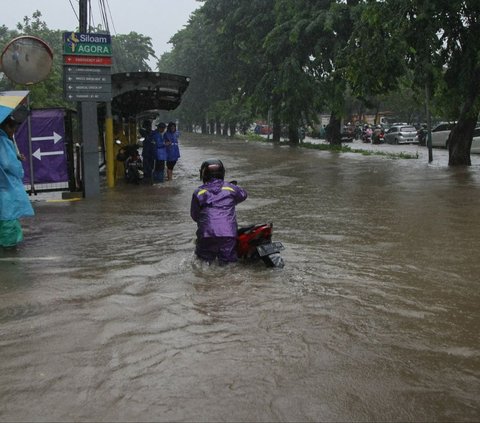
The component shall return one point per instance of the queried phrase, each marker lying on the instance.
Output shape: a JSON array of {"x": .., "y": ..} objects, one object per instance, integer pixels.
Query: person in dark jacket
[
  {"x": 148, "y": 149},
  {"x": 173, "y": 151},
  {"x": 213, "y": 208}
]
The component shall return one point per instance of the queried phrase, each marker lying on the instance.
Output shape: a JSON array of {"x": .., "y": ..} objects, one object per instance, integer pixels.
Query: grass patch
[
  {"x": 335, "y": 148},
  {"x": 324, "y": 147}
]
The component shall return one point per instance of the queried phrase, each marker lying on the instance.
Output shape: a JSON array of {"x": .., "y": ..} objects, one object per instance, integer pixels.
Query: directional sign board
[
  {"x": 79, "y": 96},
  {"x": 75, "y": 78},
  {"x": 87, "y": 60},
  {"x": 48, "y": 146},
  {"x": 86, "y": 71}
]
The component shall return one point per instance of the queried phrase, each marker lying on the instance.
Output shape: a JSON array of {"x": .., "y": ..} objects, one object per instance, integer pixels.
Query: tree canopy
[
  {"x": 300, "y": 58},
  {"x": 294, "y": 59}
]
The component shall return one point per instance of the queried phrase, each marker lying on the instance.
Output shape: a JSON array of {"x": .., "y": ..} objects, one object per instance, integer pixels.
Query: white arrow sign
[
  {"x": 55, "y": 137},
  {"x": 38, "y": 154}
]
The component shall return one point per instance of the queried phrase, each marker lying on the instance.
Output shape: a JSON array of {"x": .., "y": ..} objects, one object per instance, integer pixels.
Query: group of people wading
[{"x": 160, "y": 150}]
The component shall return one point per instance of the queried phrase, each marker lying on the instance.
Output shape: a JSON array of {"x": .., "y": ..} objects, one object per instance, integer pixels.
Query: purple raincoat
[{"x": 213, "y": 208}]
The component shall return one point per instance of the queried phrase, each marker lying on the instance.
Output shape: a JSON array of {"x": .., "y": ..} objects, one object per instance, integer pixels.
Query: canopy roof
[{"x": 137, "y": 92}]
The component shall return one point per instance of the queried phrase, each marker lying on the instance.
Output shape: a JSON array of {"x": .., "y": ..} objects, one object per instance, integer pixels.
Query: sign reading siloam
[{"x": 79, "y": 43}]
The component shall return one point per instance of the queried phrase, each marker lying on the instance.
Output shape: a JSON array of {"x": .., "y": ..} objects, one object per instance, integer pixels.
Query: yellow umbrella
[{"x": 9, "y": 102}]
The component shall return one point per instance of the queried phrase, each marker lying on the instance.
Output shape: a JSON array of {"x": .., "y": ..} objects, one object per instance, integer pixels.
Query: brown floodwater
[{"x": 106, "y": 315}]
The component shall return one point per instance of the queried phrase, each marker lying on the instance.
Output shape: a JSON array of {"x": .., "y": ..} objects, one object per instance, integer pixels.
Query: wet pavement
[{"x": 106, "y": 315}]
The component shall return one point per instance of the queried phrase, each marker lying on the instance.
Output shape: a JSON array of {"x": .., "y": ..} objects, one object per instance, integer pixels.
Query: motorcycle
[
  {"x": 130, "y": 156},
  {"x": 378, "y": 138},
  {"x": 255, "y": 242},
  {"x": 367, "y": 137}
]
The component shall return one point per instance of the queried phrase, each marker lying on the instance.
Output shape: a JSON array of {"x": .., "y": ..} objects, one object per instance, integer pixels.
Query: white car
[
  {"x": 476, "y": 141},
  {"x": 440, "y": 134}
]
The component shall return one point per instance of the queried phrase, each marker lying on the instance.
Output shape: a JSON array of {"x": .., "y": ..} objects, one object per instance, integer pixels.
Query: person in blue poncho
[
  {"x": 14, "y": 201},
  {"x": 173, "y": 152},
  {"x": 160, "y": 153}
]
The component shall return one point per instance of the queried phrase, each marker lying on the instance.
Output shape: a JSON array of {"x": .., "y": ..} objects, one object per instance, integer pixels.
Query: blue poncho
[{"x": 14, "y": 201}]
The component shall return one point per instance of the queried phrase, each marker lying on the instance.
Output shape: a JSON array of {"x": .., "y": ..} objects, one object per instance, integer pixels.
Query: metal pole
[
  {"x": 82, "y": 15},
  {"x": 89, "y": 128},
  {"x": 429, "y": 123},
  {"x": 30, "y": 149},
  {"x": 109, "y": 146}
]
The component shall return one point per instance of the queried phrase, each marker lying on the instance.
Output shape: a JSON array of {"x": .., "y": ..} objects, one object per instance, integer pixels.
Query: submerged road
[{"x": 106, "y": 315}]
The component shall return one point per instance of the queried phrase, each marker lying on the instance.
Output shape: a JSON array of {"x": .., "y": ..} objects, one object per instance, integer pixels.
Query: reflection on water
[{"x": 106, "y": 314}]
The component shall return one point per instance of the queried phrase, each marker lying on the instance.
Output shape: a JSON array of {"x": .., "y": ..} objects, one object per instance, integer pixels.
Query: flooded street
[{"x": 106, "y": 315}]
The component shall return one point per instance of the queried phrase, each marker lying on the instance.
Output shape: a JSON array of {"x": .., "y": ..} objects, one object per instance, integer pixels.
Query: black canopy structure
[{"x": 135, "y": 93}]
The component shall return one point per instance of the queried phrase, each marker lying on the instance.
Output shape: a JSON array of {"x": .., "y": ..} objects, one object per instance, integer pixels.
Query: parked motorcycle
[
  {"x": 254, "y": 242},
  {"x": 132, "y": 160},
  {"x": 367, "y": 134},
  {"x": 378, "y": 136}
]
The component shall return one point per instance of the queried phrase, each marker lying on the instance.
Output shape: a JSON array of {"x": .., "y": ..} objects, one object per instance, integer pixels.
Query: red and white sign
[{"x": 87, "y": 60}]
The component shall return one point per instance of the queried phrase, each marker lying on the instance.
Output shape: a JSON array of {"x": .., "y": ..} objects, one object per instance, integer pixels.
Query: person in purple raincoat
[{"x": 213, "y": 208}]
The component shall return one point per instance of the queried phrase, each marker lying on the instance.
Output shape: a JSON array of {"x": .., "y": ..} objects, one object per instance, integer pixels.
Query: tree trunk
[
  {"x": 293, "y": 134},
  {"x": 225, "y": 129},
  {"x": 333, "y": 135},
  {"x": 211, "y": 125},
  {"x": 460, "y": 139},
  {"x": 233, "y": 129},
  {"x": 218, "y": 129}
]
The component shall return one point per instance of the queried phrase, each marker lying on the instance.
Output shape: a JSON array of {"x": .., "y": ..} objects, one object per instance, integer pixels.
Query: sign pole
[
  {"x": 89, "y": 129},
  {"x": 109, "y": 147},
  {"x": 30, "y": 149}
]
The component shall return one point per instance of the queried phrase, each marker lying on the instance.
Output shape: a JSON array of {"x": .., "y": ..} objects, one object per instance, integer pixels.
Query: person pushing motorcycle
[{"x": 213, "y": 208}]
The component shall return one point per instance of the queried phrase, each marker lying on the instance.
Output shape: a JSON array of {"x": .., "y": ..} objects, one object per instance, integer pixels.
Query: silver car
[{"x": 401, "y": 134}]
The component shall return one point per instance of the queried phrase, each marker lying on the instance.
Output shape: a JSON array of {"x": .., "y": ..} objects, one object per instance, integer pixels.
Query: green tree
[
  {"x": 192, "y": 55},
  {"x": 131, "y": 52},
  {"x": 438, "y": 41}
]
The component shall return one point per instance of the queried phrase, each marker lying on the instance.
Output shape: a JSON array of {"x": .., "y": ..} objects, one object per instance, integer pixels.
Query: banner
[{"x": 48, "y": 147}]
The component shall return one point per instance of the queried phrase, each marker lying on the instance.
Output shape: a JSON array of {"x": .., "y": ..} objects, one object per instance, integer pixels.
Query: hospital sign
[{"x": 87, "y": 44}]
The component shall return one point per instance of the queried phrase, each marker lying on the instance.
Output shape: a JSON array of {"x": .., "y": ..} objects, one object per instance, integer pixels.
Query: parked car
[
  {"x": 263, "y": 129},
  {"x": 476, "y": 141},
  {"x": 401, "y": 134},
  {"x": 440, "y": 134}
]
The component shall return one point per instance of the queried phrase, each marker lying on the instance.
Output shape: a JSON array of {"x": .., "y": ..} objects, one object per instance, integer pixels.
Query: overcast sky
[{"x": 158, "y": 19}]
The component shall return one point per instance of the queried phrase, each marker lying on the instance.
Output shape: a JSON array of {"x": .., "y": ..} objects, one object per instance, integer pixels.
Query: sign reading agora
[{"x": 87, "y": 44}]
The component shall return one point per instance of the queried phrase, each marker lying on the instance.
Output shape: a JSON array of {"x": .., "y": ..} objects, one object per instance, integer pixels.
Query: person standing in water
[
  {"x": 14, "y": 201},
  {"x": 173, "y": 151}
]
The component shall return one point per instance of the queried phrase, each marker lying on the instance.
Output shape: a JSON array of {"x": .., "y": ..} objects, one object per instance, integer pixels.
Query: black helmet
[{"x": 212, "y": 168}]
